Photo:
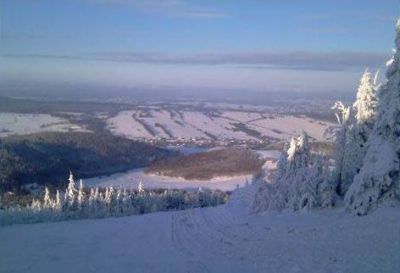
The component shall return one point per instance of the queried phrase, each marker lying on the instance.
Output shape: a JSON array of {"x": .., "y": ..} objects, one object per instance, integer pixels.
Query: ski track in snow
[{"x": 227, "y": 238}]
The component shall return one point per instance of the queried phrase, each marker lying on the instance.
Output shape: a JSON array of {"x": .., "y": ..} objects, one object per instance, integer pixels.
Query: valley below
[
  {"x": 182, "y": 133},
  {"x": 184, "y": 136}
]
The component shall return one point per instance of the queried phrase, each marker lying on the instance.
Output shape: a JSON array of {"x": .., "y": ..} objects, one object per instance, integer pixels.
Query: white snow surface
[
  {"x": 222, "y": 239},
  {"x": 21, "y": 124},
  {"x": 196, "y": 124},
  {"x": 131, "y": 179}
]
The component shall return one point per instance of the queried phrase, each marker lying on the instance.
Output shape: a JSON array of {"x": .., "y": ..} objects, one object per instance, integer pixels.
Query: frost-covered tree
[
  {"x": 358, "y": 131},
  {"x": 127, "y": 202},
  {"x": 298, "y": 154},
  {"x": 81, "y": 199},
  {"x": 343, "y": 116},
  {"x": 107, "y": 203},
  {"x": 326, "y": 185},
  {"x": 379, "y": 178},
  {"x": 91, "y": 201},
  {"x": 110, "y": 200},
  {"x": 366, "y": 103},
  {"x": 35, "y": 206},
  {"x": 70, "y": 194},
  {"x": 101, "y": 204},
  {"x": 303, "y": 177},
  {"x": 300, "y": 182},
  {"x": 118, "y": 208},
  {"x": 141, "y": 188},
  {"x": 47, "y": 201},
  {"x": 58, "y": 203}
]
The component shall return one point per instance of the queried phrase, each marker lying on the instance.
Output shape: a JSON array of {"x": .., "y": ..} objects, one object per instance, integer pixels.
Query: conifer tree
[
  {"x": 141, "y": 188},
  {"x": 35, "y": 206},
  {"x": 70, "y": 194},
  {"x": 366, "y": 103},
  {"x": 127, "y": 202},
  {"x": 58, "y": 203},
  {"x": 81, "y": 196},
  {"x": 92, "y": 201},
  {"x": 379, "y": 178},
  {"x": 47, "y": 201},
  {"x": 301, "y": 184},
  {"x": 358, "y": 131},
  {"x": 343, "y": 116}
]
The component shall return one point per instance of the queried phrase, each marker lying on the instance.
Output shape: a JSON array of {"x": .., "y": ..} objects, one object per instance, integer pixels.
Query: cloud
[
  {"x": 296, "y": 60},
  {"x": 173, "y": 8}
]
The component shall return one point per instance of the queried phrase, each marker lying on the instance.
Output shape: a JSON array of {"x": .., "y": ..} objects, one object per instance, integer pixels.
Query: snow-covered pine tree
[
  {"x": 107, "y": 199},
  {"x": 58, "y": 202},
  {"x": 273, "y": 195},
  {"x": 299, "y": 185},
  {"x": 343, "y": 116},
  {"x": 70, "y": 194},
  {"x": 358, "y": 131},
  {"x": 110, "y": 200},
  {"x": 302, "y": 179},
  {"x": 366, "y": 103},
  {"x": 127, "y": 202},
  {"x": 101, "y": 208},
  {"x": 91, "y": 201},
  {"x": 299, "y": 153},
  {"x": 118, "y": 208},
  {"x": 47, "y": 201},
  {"x": 379, "y": 178},
  {"x": 35, "y": 206},
  {"x": 81, "y": 199},
  {"x": 141, "y": 188}
]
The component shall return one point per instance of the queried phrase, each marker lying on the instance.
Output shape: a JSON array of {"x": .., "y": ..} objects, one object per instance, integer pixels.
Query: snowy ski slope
[{"x": 222, "y": 239}]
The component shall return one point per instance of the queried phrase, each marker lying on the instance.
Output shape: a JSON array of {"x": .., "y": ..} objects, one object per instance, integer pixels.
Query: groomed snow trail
[{"x": 223, "y": 239}]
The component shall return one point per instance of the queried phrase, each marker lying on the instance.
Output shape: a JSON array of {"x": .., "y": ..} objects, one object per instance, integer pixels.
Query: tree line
[{"x": 78, "y": 202}]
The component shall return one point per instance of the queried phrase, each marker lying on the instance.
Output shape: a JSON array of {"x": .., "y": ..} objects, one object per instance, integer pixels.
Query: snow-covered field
[
  {"x": 222, "y": 239},
  {"x": 171, "y": 124},
  {"x": 20, "y": 124},
  {"x": 131, "y": 179}
]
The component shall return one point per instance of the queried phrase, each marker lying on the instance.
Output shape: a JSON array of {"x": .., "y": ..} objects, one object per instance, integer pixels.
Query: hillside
[
  {"x": 226, "y": 162},
  {"x": 177, "y": 123},
  {"x": 48, "y": 157},
  {"x": 221, "y": 239}
]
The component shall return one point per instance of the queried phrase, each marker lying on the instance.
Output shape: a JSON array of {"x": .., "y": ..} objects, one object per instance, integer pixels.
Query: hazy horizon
[{"x": 193, "y": 45}]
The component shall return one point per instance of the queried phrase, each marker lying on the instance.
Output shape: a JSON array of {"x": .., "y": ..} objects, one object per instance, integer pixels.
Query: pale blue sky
[{"x": 270, "y": 45}]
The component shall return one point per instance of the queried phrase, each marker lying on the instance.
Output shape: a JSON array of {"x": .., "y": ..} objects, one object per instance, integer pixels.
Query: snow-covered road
[{"x": 221, "y": 239}]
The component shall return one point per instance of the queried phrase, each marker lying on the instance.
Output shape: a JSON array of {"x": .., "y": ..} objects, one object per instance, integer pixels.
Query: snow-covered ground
[
  {"x": 124, "y": 124},
  {"x": 188, "y": 125},
  {"x": 131, "y": 179},
  {"x": 283, "y": 127},
  {"x": 269, "y": 154},
  {"x": 222, "y": 239},
  {"x": 20, "y": 124}
]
